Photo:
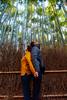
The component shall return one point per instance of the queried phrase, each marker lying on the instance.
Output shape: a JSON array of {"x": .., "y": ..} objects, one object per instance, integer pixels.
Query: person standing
[
  {"x": 27, "y": 70},
  {"x": 39, "y": 67}
]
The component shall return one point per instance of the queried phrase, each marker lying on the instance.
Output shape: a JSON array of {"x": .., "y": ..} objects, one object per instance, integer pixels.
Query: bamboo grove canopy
[{"x": 25, "y": 20}]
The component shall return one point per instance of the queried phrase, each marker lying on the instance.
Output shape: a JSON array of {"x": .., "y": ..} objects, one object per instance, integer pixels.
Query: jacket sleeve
[
  {"x": 42, "y": 65},
  {"x": 35, "y": 61},
  {"x": 28, "y": 57}
]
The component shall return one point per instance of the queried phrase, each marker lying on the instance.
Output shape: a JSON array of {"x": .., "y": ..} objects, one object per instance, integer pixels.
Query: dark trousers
[
  {"x": 37, "y": 87},
  {"x": 26, "y": 86}
]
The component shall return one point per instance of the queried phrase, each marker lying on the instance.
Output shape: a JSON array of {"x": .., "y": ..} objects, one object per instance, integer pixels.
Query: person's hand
[{"x": 36, "y": 74}]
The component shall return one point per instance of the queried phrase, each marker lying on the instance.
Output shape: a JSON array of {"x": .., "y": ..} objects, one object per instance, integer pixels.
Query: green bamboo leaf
[
  {"x": 31, "y": 8},
  {"x": 39, "y": 10},
  {"x": 20, "y": 34},
  {"x": 13, "y": 10},
  {"x": 52, "y": 1},
  {"x": 52, "y": 18},
  {"x": 33, "y": 1},
  {"x": 9, "y": 2},
  {"x": 6, "y": 1},
  {"x": 63, "y": 23},
  {"x": 34, "y": 20}
]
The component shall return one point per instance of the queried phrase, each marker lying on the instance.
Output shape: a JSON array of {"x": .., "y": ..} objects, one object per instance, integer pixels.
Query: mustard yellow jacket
[{"x": 26, "y": 64}]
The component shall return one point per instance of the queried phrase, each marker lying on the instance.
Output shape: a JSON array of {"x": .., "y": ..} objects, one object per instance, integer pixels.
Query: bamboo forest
[
  {"x": 26, "y": 20},
  {"x": 23, "y": 21}
]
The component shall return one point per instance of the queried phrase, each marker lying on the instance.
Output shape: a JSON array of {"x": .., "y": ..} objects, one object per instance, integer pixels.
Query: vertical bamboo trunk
[
  {"x": 58, "y": 24},
  {"x": 12, "y": 31},
  {"x": 42, "y": 23},
  {"x": 25, "y": 27},
  {"x": 59, "y": 28},
  {"x": 64, "y": 8}
]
